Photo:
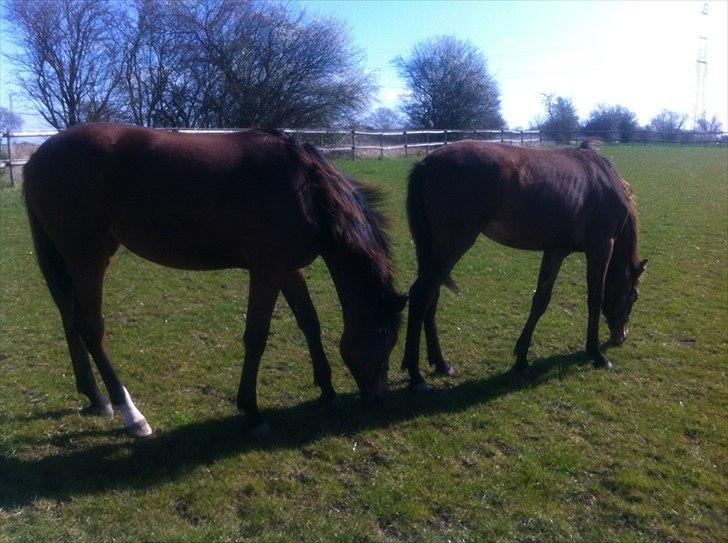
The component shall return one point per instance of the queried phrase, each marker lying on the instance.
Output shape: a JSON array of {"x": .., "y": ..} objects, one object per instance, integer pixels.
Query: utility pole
[{"x": 701, "y": 69}]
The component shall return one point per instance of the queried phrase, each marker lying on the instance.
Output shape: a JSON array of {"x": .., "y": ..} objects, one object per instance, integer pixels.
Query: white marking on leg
[{"x": 134, "y": 421}]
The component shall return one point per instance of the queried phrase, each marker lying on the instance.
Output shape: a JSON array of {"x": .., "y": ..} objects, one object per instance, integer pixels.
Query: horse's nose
[{"x": 619, "y": 336}]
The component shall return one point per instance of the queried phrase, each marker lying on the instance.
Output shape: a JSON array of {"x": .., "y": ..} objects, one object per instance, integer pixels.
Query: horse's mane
[
  {"x": 627, "y": 242},
  {"x": 348, "y": 210}
]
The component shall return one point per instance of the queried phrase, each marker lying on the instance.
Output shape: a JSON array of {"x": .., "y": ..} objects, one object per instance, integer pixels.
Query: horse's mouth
[{"x": 619, "y": 336}]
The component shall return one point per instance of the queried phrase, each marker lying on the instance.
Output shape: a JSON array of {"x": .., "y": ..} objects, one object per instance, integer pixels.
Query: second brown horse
[{"x": 555, "y": 201}]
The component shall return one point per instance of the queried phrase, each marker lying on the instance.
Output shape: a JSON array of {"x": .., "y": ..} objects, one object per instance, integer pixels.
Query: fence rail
[{"x": 377, "y": 143}]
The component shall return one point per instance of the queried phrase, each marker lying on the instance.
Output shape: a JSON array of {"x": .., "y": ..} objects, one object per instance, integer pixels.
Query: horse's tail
[
  {"x": 418, "y": 223},
  {"x": 50, "y": 261},
  {"x": 346, "y": 209}
]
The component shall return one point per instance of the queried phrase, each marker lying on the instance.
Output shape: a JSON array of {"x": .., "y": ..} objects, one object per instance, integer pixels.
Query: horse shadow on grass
[{"x": 167, "y": 455}]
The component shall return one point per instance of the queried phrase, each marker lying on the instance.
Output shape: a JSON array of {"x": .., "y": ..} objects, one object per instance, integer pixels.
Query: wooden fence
[{"x": 355, "y": 143}]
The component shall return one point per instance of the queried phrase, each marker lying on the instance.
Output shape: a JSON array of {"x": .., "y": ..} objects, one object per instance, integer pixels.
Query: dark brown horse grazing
[
  {"x": 256, "y": 200},
  {"x": 555, "y": 201}
]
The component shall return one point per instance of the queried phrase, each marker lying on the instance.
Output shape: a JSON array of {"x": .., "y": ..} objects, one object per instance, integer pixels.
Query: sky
[{"x": 638, "y": 54}]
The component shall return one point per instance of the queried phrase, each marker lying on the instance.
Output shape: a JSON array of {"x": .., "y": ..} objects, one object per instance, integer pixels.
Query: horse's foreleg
[
  {"x": 550, "y": 266},
  {"x": 262, "y": 295},
  {"x": 434, "y": 352},
  {"x": 597, "y": 260},
  {"x": 88, "y": 287},
  {"x": 299, "y": 300}
]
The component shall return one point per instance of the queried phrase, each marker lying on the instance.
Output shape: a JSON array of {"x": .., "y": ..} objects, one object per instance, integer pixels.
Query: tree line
[{"x": 237, "y": 63}]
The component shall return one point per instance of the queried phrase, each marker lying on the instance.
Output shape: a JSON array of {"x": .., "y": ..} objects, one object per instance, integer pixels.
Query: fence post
[
  {"x": 10, "y": 158},
  {"x": 353, "y": 145},
  {"x": 501, "y": 135},
  {"x": 381, "y": 146},
  {"x": 445, "y": 137},
  {"x": 540, "y": 144},
  {"x": 404, "y": 132},
  {"x": 521, "y": 138},
  {"x": 427, "y": 141}
]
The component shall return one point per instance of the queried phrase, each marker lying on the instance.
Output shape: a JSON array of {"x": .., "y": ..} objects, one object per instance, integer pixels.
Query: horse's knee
[
  {"x": 254, "y": 343},
  {"x": 310, "y": 326}
]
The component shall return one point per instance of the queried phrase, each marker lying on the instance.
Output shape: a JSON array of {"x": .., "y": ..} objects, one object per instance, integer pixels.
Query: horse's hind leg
[
  {"x": 432, "y": 273},
  {"x": 550, "y": 266},
  {"x": 85, "y": 381},
  {"x": 61, "y": 289},
  {"x": 87, "y": 277},
  {"x": 299, "y": 300},
  {"x": 434, "y": 352}
]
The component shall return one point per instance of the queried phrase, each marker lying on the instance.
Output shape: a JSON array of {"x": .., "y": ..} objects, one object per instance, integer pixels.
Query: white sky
[{"x": 641, "y": 54}]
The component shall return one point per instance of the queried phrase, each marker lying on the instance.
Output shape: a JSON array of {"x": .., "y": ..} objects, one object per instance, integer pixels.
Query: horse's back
[
  {"x": 521, "y": 197},
  {"x": 184, "y": 200}
]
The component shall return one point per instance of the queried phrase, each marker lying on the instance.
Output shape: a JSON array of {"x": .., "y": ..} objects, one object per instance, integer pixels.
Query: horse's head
[
  {"x": 621, "y": 291},
  {"x": 365, "y": 346}
]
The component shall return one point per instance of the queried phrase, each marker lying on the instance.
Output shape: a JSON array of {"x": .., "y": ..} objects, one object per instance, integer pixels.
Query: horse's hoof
[
  {"x": 444, "y": 369},
  {"x": 261, "y": 429},
  {"x": 139, "y": 429},
  {"x": 603, "y": 362},
  {"x": 105, "y": 410},
  {"x": 420, "y": 387}
]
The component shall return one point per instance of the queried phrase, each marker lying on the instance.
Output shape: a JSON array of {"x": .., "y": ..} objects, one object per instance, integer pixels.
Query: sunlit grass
[{"x": 636, "y": 453}]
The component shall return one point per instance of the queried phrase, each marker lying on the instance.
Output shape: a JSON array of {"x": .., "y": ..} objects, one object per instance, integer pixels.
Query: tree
[
  {"x": 561, "y": 122},
  {"x": 611, "y": 123},
  {"x": 68, "y": 60},
  {"x": 450, "y": 86},
  {"x": 668, "y": 122},
  {"x": 151, "y": 65},
  {"x": 9, "y": 120},
  {"x": 384, "y": 118},
  {"x": 265, "y": 63},
  {"x": 712, "y": 125}
]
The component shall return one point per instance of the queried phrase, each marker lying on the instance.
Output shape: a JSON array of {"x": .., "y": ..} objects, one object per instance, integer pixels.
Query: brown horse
[
  {"x": 256, "y": 199},
  {"x": 555, "y": 201}
]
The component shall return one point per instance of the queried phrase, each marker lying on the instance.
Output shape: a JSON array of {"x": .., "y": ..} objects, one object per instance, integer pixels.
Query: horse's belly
[
  {"x": 528, "y": 237},
  {"x": 183, "y": 253}
]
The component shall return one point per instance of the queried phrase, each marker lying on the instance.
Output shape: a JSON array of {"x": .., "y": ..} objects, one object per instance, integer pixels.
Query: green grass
[{"x": 638, "y": 453}]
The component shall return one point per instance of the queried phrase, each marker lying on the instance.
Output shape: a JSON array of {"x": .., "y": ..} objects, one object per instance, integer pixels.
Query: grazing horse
[
  {"x": 555, "y": 201},
  {"x": 256, "y": 199}
]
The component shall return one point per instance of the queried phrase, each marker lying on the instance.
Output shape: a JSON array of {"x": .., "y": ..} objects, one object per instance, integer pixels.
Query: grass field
[{"x": 637, "y": 453}]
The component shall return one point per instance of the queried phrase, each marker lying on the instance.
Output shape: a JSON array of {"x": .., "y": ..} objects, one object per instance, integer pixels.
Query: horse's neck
[
  {"x": 625, "y": 246},
  {"x": 355, "y": 284}
]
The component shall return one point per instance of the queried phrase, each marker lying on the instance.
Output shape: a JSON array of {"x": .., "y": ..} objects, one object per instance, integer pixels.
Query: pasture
[{"x": 637, "y": 453}]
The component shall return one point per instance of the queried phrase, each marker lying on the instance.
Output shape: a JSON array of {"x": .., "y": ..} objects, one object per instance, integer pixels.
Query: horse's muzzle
[{"x": 618, "y": 337}]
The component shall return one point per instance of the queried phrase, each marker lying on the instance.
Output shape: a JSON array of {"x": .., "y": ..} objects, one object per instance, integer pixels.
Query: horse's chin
[{"x": 618, "y": 336}]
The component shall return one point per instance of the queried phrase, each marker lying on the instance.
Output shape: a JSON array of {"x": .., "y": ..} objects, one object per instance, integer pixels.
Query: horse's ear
[{"x": 641, "y": 267}]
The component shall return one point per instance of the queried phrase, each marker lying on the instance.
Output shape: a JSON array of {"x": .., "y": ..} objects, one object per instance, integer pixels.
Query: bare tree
[
  {"x": 612, "y": 123},
  {"x": 9, "y": 120},
  {"x": 384, "y": 118},
  {"x": 152, "y": 62},
  {"x": 668, "y": 121},
  {"x": 561, "y": 122},
  {"x": 450, "y": 86},
  {"x": 67, "y": 61},
  {"x": 712, "y": 125},
  {"x": 268, "y": 64}
]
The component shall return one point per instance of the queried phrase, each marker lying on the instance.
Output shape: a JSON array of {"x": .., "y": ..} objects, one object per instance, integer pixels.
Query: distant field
[{"x": 638, "y": 453}]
